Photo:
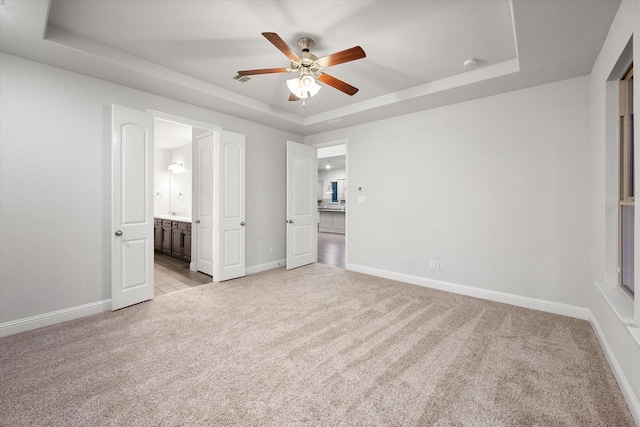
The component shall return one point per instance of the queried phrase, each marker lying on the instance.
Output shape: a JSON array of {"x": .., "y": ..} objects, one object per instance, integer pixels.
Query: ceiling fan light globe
[
  {"x": 308, "y": 84},
  {"x": 314, "y": 89},
  {"x": 295, "y": 87}
]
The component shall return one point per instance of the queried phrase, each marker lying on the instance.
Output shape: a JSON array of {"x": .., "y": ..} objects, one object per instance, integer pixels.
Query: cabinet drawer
[
  {"x": 166, "y": 223},
  {"x": 182, "y": 225},
  {"x": 189, "y": 226}
]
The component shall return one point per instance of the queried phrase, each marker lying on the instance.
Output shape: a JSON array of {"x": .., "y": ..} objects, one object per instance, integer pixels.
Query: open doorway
[
  {"x": 132, "y": 205},
  {"x": 173, "y": 207},
  {"x": 332, "y": 205}
]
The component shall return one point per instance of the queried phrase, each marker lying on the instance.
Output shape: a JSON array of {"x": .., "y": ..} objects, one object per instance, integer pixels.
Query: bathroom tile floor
[{"x": 171, "y": 275}]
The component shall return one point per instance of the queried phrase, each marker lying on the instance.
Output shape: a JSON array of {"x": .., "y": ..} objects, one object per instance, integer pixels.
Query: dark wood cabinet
[
  {"x": 186, "y": 255},
  {"x": 166, "y": 237},
  {"x": 157, "y": 234},
  {"x": 176, "y": 243},
  {"x": 173, "y": 238}
]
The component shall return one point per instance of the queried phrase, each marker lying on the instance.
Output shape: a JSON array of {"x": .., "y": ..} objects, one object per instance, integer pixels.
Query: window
[
  {"x": 334, "y": 191},
  {"x": 627, "y": 190}
]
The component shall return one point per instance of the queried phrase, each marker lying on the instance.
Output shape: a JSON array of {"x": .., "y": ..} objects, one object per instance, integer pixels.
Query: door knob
[
  {"x": 290, "y": 221},
  {"x": 118, "y": 233},
  {"x": 242, "y": 223},
  {"x": 197, "y": 221}
]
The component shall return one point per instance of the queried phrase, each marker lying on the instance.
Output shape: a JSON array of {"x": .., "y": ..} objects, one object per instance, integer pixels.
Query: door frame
[
  {"x": 350, "y": 199},
  {"x": 215, "y": 129}
]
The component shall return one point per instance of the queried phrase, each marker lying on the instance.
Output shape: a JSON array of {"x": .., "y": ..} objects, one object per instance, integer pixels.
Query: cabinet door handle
[
  {"x": 118, "y": 233},
  {"x": 242, "y": 223},
  {"x": 290, "y": 221},
  {"x": 197, "y": 221}
]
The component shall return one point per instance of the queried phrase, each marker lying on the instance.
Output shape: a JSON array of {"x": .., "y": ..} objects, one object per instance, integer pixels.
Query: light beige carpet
[{"x": 313, "y": 346}]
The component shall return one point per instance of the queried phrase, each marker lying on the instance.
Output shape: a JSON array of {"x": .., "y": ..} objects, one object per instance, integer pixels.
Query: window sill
[{"x": 621, "y": 303}]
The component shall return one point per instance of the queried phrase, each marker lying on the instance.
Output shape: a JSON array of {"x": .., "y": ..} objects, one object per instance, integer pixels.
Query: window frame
[{"x": 626, "y": 143}]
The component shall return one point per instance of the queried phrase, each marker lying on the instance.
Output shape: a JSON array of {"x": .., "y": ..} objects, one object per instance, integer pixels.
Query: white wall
[
  {"x": 172, "y": 184},
  {"x": 161, "y": 181},
  {"x": 181, "y": 181},
  {"x": 603, "y": 200},
  {"x": 495, "y": 188},
  {"x": 55, "y": 172}
]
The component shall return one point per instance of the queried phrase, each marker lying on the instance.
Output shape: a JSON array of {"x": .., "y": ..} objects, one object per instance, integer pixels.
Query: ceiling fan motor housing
[{"x": 305, "y": 44}]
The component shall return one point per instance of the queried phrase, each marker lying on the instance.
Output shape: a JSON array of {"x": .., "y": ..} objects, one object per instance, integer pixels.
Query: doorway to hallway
[
  {"x": 332, "y": 196},
  {"x": 331, "y": 249}
]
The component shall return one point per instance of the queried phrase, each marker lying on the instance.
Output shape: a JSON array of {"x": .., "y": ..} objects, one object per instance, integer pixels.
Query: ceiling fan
[{"x": 308, "y": 66}]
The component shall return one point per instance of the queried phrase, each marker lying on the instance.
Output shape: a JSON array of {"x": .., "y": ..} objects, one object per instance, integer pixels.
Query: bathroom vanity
[{"x": 173, "y": 237}]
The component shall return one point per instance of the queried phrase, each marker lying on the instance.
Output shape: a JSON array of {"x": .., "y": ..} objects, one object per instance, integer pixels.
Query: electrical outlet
[
  {"x": 439, "y": 265},
  {"x": 432, "y": 263}
]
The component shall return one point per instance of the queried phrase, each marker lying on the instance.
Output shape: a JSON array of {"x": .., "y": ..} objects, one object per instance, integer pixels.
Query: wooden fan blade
[
  {"x": 292, "y": 97},
  {"x": 341, "y": 57},
  {"x": 282, "y": 46},
  {"x": 262, "y": 71},
  {"x": 338, "y": 84}
]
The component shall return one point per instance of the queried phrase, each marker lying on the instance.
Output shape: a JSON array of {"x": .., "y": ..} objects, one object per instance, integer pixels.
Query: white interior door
[
  {"x": 302, "y": 177},
  {"x": 132, "y": 207},
  {"x": 204, "y": 213},
  {"x": 229, "y": 207}
]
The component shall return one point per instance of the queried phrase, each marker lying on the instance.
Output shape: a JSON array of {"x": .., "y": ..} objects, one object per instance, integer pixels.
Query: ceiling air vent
[
  {"x": 243, "y": 79},
  {"x": 337, "y": 123}
]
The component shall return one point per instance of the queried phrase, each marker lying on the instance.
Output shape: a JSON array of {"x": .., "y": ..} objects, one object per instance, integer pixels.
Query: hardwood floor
[
  {"x": 172, "y": 275},
  {"x": 331, "y": 249}
]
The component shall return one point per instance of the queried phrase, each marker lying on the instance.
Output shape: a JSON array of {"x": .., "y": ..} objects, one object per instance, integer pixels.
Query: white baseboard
[
  {"x": 623, "y": 383},
  {"x": 47, "y": 319},
  {"x": 264, "y": 267},
  {"x": 497, "y": 296}
]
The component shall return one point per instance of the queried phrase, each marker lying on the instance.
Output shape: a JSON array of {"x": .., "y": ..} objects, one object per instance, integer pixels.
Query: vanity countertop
[
  {"x": 174, "y": 218},
  {"x": 332, "y": 210}
]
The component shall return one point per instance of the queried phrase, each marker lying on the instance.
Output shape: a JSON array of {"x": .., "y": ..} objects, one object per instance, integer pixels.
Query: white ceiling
[
  {"x": 189, "y": 50},
  {"x": 336, "y": 162}
]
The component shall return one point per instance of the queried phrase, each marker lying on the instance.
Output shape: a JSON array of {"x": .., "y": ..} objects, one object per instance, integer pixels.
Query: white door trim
[{"x": 183, "y": 120}]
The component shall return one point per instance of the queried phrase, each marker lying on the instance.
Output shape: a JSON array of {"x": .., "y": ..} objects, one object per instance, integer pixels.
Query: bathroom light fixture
[{"x": 175, "y": 166}]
